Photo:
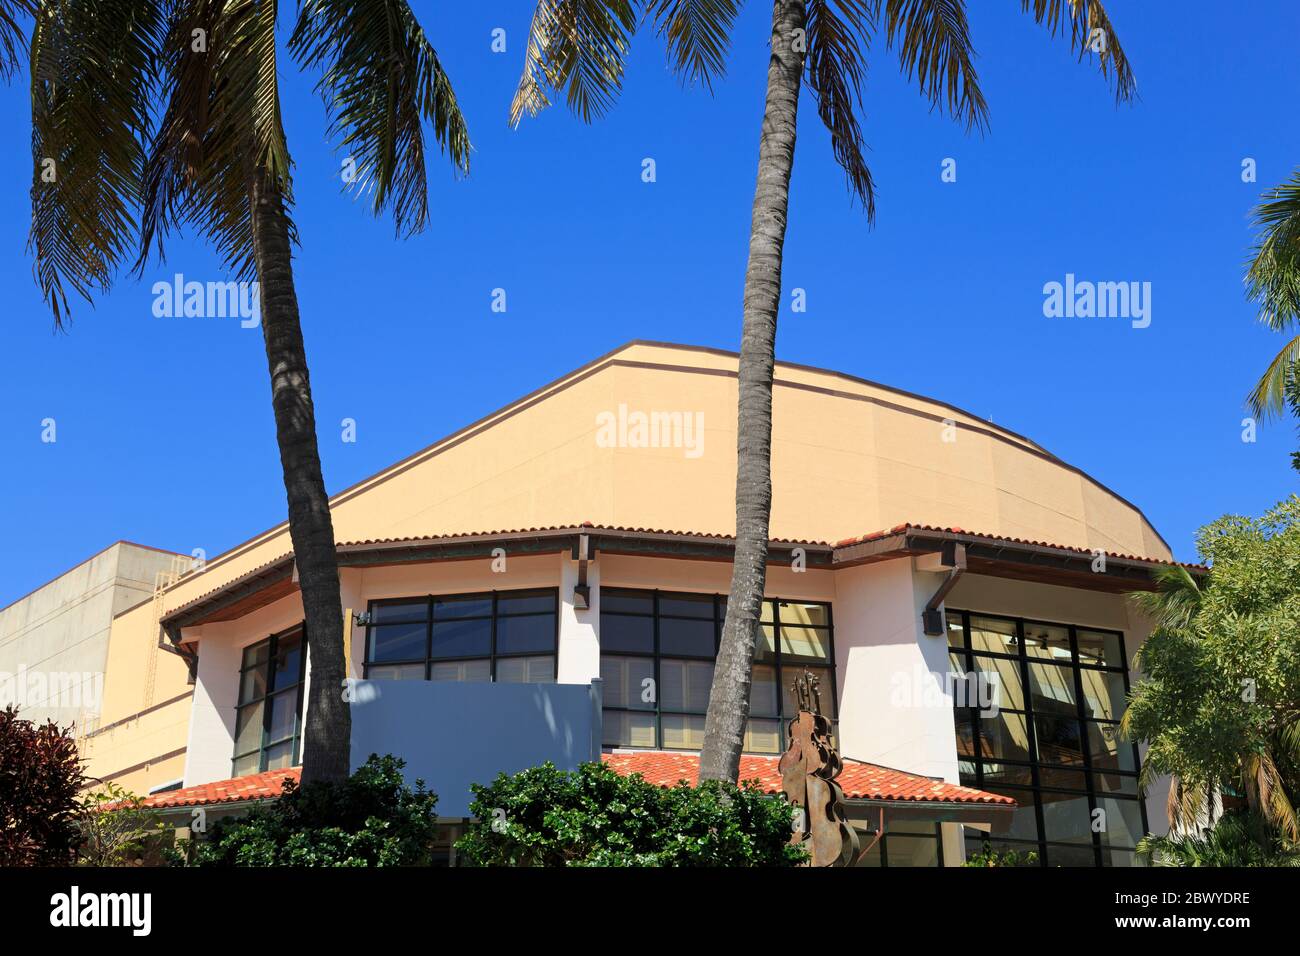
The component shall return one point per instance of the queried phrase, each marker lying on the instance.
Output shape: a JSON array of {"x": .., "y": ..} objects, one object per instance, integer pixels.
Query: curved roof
[{"x": 848, "y": 456}]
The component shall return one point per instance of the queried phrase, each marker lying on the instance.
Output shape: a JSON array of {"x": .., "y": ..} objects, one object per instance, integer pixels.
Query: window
[
  {"x": 657, "y": 651},
  {"x": 268, "y": 721},
  {"x": 905, "y": 843},
  {"x": 505, "y": 636},
  {"x": 1053, "y": 742}
]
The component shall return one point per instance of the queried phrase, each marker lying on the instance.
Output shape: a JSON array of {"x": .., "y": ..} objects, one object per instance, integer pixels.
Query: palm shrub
[
  {"x": 594, "y": 816},
  {"x": 116, "y": 828},
  {"x": 370, "y": 819},
  {"x": 1239, "y": 838},
  {"x": 40, "y": 774}
]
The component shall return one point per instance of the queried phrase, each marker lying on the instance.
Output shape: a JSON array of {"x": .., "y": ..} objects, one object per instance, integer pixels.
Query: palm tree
[
  {"x": 579, "y": 46},
  {"x": 217, "y": 160},
  {"x": 1273, "y": 280}
]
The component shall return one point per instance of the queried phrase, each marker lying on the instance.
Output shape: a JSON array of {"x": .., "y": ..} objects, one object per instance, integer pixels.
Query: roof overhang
[{"x": 985, "y": 554}]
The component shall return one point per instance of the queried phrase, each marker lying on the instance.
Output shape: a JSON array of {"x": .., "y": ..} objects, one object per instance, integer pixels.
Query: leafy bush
[
  {"x": 116, "y": 830},
  {"x": 1240, "y": 838},
  {"x": 40, "y": 774},
  {"x": 988, "y": 857},
  {"x": 371, "y": 819},
  {"x": 596, "y": 817}
]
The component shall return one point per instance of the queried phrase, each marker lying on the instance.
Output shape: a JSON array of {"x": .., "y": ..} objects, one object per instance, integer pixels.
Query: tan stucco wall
[{"x": 849, "y": 458}]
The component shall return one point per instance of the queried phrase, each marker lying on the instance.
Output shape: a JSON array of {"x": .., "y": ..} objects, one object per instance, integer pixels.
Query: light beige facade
[{"x": 850, "y": 459}]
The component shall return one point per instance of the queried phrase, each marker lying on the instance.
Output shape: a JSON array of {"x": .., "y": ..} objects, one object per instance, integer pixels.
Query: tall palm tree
[
  {"x": 217, "y": 160},
  {"x": 1273, "y": 280},
  {"x": 579, "y": 46}
]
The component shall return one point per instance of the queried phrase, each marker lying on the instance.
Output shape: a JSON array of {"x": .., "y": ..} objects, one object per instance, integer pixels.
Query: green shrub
[
  {"x": 116, "y": 830},
  {"x": 596, "y": 817},
  {"x": 371, "y": 819},
  {"x": 1239, "y": 838},
  {"x": 987, "y": 857}
]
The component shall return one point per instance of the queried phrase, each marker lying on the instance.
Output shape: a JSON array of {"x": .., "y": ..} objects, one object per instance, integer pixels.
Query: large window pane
[
  {"x": 464, "y": 672},
  {"x": 684, "y": 685},
  {"x": 1021, "y": 823},
  {"x": 526, "y": 603},
  {"x": 1052, "y": 688},
  {"x": 956, "y": 633},
  {"x": 1103, "y": 695},
  {"x": 249, "y": 763},
  {"x": 628, "y": 634},
  {"x": 279, "y": 756},
  {"x": 626, "y": 729},
  {"x": 911, "y": 850},
  {"x": 682, "y": 732},
  {"x": 1005, "y": 736},
  {"x": 997, "y": 774},
  {"x": 398, "y": 642},
  {"x": 257, "y": 653},
  {"x": 1122, "y": 821},
  {"x": 628, "y": 682},
  {"x": 516, "y": 635},
  {"x": 627, "y": 602},
  {"x": 1100, "y": 649},
  {"x": 1059, "y": 778},
  {"x": 526, "y": 670},
  {"x": 462, "y": 606},
  {"x": 804, "y": 644},
  {"x": 1115, "y": 783},
  {"x": 1107, "y": 750},
  {"x": 388, "y": 612},
  {"x": 248, "y": 727},
  {"x": 1060, "y": 740},
  {"x": 471, "y": 638},
  {"x": 764, "y": 736},
  {"x": 288, "y": 663},
  {"x": 993, "y": 635},
  {"x": 1001, "y": 677},
  {"x": 763, "y": 696},
  {"x": 687, "y": 605},
  {"x": 807, "y": 615},
  {"x": 252, "y": 685},
  {"x": 1046, "y": 642},
  {"x": 283, "y": 718},
  {"x": 1079, "y": 855},
  {"x": 686, "y": 637},
  {"x": 1066, "y": 818},
  {"x": 396, "y": 672}
]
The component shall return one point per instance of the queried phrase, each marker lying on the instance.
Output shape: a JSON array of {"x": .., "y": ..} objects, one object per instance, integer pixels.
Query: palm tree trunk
[
  {"x": 329, "y": 722},
  {"x": 724, "y": 727}
]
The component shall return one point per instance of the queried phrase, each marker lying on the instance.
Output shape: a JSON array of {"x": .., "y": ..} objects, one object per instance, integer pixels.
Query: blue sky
[{"x": 165, "y": 434}]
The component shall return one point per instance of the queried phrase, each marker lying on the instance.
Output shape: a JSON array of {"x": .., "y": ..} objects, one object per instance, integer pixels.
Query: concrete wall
[{"x": 54, "y": 642}]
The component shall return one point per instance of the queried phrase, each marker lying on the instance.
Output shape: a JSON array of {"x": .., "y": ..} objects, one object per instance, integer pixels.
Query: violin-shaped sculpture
[{"x": 808, "y": 770}]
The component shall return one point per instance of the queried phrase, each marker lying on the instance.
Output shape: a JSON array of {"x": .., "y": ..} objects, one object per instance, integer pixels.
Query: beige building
[{"x": 956, "y": 587}]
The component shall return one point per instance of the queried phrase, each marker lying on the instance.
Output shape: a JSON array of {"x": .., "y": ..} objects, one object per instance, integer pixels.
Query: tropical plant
[
  {"x": 110, "y": 184},
  {"x": 116, "y": 828},
  {"x": 1219, "y": 698},
  {"x": 594, "y": 816},
  {"x": 579, "y": 47},
  {"x": 1239, "y": 838},
  {"x": 373, "y": 818},
  {"x": 40, "y": 774},
  {"x": 1273, "y": 280}
]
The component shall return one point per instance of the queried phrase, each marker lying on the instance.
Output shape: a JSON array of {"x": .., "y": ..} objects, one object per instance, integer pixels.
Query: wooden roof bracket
[{"x": 951, "y": 557}]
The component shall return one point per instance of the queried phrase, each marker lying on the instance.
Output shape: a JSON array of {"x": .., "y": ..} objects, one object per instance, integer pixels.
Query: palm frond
[
  {"x": 221, "y": 128},
  {"x": 934, "y": 46},
  {"x": 697, "y": 34},
  {"x": 12, "y": 40},
  {"x": 1089, "y": 26},
  {"x": 577, "y": 46},
  {"x": 1268, "y": 397},
  {"x": 1175, "y": 600},
  {"x": 839, "y": 36},
  {"x": 92, "y": 78},
  {"x": 382, "y": 81}
]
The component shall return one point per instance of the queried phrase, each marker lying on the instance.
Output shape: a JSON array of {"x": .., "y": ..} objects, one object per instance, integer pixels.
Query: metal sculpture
[{"x": 808, "y": 770}]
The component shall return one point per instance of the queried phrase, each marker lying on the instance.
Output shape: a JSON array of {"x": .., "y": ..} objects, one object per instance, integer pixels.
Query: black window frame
[
  {"x": 719, "y": 616},
  {"x": 495, "y": 615},
  {"x": 1037, "y": 789},
  {"x": 270, "y": 691}
]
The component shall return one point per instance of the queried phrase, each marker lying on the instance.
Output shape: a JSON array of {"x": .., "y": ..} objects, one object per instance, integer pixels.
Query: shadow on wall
[{"x": 453, "y": 734}]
